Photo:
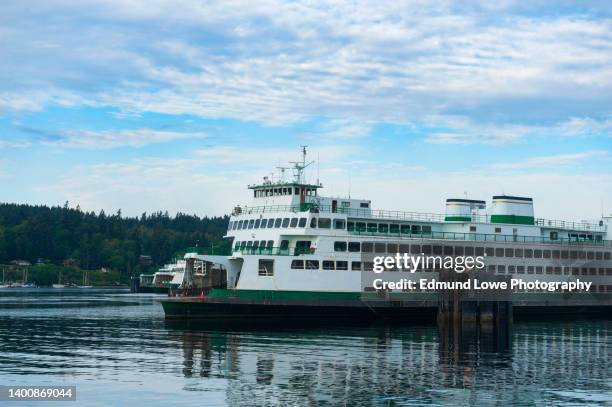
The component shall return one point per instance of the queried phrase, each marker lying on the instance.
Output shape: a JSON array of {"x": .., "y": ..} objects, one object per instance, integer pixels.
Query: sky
[{"x": 152, "y": 105}]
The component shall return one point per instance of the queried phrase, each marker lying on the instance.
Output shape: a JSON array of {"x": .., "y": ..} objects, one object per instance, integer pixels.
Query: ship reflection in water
[{"x": 117, "y": 349}]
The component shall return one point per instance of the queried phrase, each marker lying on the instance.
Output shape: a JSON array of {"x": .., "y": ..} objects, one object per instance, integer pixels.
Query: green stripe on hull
[
  {"x": 457, "y": 219},
  {"x": 513, "y": 219},
  {"x": 283, "y": 295}
]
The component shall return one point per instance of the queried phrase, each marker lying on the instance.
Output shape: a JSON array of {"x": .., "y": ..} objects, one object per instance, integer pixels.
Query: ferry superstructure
[{"x": 293, "y": 244}]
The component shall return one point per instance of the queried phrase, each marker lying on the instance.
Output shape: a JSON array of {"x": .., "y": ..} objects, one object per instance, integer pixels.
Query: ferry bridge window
[
  {"x": 312, "y": 264},
  {"x": 557, "y": 270},
  {"x": 294, "y": 222},
  {"x": 458, "y": 251},
  {"x": 510, "y": 269},
  {"x": 472, "y": 228},
  {"x": 324, "y": 223},
  {"x": 415, "y": 229},
  {"x": 491, "y": 268},
  {"x": 368, "y": 266},
  {"x": 575, "y": 271},
  {"x": 538, "y": 269},
  {"x": 243, "y": 244},
  {"x": 277, "y": 222},
  {"x": 584, "y": 271},
  {"x": 546, "y": 254},
  {"x": 328, "y": 265},
  {"x": 380, "y": 247},
  {"x": 554, "y": 235},
  {"x": 607, "y": 255},
  {"x": 549, "y": 269},
  {"x": 405, "y": 229},
  {"x": 356, "y": 266},
  {"x": 590, "y": 255},
  {"x": 479, "y": 251},
  {"x": 230, "y": 225},
  {"x": 608, "y": 271},
  {"x": 302, "y": 223},
  {"x": 426, "y": 249},
  {"x": 350, "y": 226},
  {"x": 257, "y": 222},
  {"x": 285, "y": 222},
  {"x": 296, "y": 191},
  {"x": 251, "y": 223},
  {"x": 556, "y": 254},
  {"x": 518, "y": 252},
  {"x": 354, "y": 247},
  {"x": 601, "y": 271},
  {"x": 582, "y": 255},
  {"x": 598, "y": 255},
  {"x": 249, "y": 244},
  {"x": 509, "y": 252},
  {"x": 284, "y": 245},
  {"x": 537, "y": 254},
  {"x": 383, "y": 228},
  {"x": 415, "y": 249},
  {"x": 565, "y": 254},
  {"x": 490, "y": 251},
  {"x": 367, "y": 247},
  {"x": 255, "y": 244},
  {"x": 240, "y": 224},
  {"x": 528, "y": 253},
  {"x": 372, "y": 227},
  {"x": 501, "y": 269},
  {"x": 530, "y": 269},
  {"x": 313, "y": 223},
  {"x": 270, "y": 223},
  {"x": 497, "y": 230},
  {"x": 404, "y": 248},
  {"x": 341, "y": 265},
  {"x": 426, "y": 230},
  {"x": 469, "y": 251},
  {"x": 364, "y": 205},
  {"x": 499, "y": 252},
  {"x": 266, "y": 267},
  {"x": 437, "y": 250},
  {"x": 360, "y": 227},
  {"x": 448, "y": 250},
  {"x": 297, "y": 264},
  {"x": 339, "y": 223},
  {"x": 592, "y": 271},
  {"x": 339, "y": 246},
  {"x": 520, "y": 269},
  {"x": 394, "y": 228},
  {"x": 270, "y": 244},
  {"x": 237, "y": 245}
]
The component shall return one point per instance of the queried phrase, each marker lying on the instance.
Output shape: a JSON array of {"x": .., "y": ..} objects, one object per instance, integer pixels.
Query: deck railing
[{"x": 366, "y": 213}]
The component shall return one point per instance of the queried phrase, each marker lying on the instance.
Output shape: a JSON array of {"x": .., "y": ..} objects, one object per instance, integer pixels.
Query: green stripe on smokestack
[
  {"x": 457, "y": 219},
  {"x": 513, "y": 219}
]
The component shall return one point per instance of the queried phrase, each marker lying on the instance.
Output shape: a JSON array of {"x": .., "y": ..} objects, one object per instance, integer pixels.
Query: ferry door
[
  {"x": 334, "y": 206},
  {"x": 302, "y": 196}
]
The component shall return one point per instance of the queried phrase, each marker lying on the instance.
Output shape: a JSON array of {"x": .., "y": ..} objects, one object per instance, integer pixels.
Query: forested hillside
[{"x": 55, "y": 234}]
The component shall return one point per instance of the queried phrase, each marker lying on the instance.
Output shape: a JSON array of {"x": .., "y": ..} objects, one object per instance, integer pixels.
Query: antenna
[
  {"x": 298, "y": 167},
  {"x": 318, "y": 168},
  {"x": 282, "y": 173},
  {"x": 349, "y": 185}
]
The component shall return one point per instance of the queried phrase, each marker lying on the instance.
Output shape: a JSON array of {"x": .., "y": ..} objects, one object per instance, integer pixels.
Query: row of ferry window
[
  {"x": 260, "y": 193},
  {"x": 392, "y": 248},
  {"x": 343, "y": 265},
  {"x": 323, "y": 223},
  {"x": 326, "y": 223}
]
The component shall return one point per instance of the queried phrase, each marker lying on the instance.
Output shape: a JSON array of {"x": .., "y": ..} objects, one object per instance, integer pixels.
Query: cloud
[
  {"x": 554, "y": 160},
  {"x": 280, "y": 63},
  {"x": 6, "y": 144},
  {"x": 106, "y": 139}
]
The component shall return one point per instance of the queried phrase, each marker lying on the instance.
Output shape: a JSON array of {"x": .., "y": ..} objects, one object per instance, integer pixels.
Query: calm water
[{"x": 118, "y": 350}]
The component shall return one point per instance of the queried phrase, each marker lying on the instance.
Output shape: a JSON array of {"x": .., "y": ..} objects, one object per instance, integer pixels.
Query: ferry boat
[
  {"x": 168, "y": 276},
  {"x": 297, "y": 253}
]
